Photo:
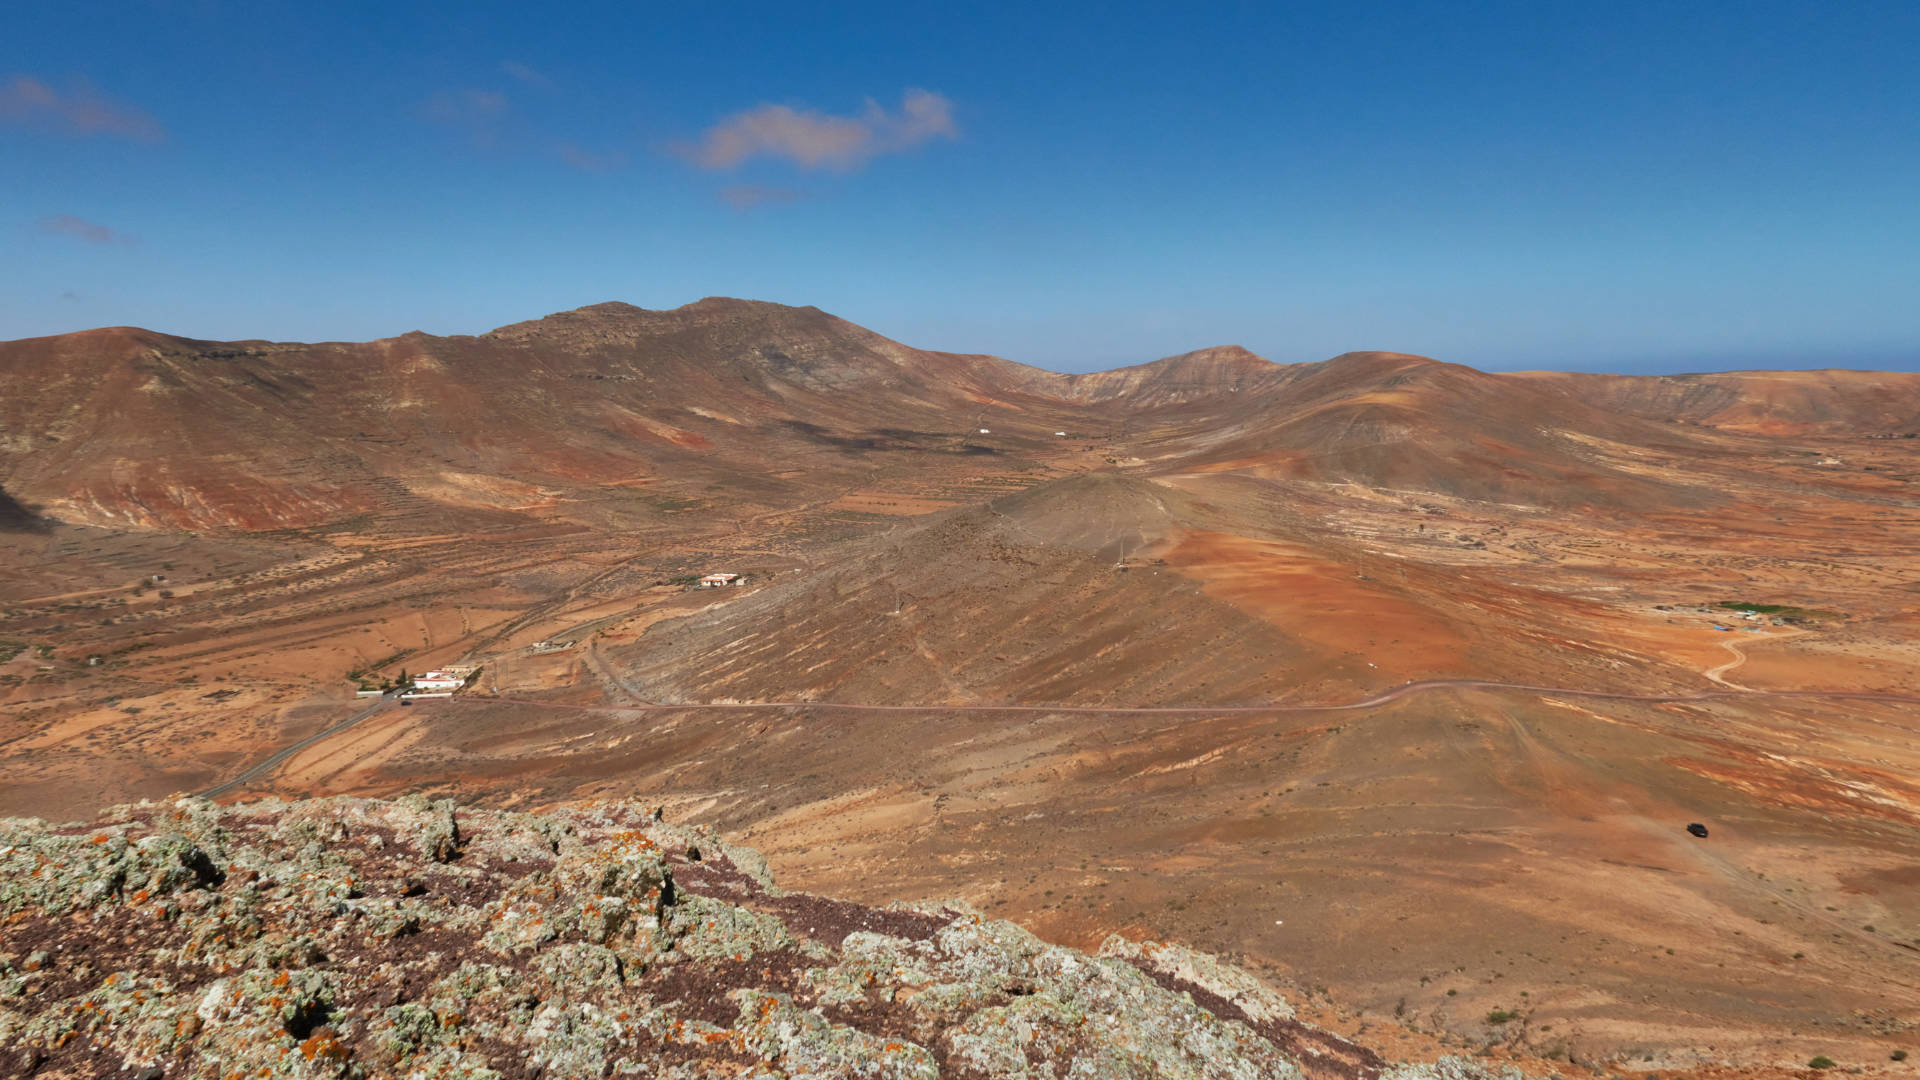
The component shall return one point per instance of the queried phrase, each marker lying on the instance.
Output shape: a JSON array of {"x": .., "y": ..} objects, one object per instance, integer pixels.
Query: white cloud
[{"x": 815, "y": 140}]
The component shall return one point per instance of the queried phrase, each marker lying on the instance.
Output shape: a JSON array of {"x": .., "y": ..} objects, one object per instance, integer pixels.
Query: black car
[{"x": 1697, "y": 829}]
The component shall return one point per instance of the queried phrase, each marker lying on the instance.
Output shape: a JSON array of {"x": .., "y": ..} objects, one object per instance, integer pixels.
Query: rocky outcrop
[{"x": 350, "y": 938}]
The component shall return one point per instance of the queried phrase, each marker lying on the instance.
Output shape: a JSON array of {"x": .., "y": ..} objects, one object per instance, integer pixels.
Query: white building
[
  {"x": 714, "y": 581},
  {"x": 439, "y": 680}
]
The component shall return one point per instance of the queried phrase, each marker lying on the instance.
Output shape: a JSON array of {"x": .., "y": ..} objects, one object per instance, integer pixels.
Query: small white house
[
  {"x": 439, "y": 680},
  {"x": 714, "y": 581}
]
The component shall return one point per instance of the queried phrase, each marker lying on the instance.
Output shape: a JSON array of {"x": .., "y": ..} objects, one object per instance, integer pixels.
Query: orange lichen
[{"x": 322, "y": 1046}]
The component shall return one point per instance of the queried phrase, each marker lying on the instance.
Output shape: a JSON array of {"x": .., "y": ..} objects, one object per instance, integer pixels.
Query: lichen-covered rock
[
  {"x": 1246, "y": 993},
  {"x": 1454, "y": 1067},
  {"x": 435, "y": 833},
  {"x": 801, "y": 1043},
  {"x": 701, "y": 928},
  {"x": 348, "y": 938}
]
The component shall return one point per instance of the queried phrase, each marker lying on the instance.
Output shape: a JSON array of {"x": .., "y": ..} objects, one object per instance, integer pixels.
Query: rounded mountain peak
[
  {"x": 1238, "y": 355},
  {"x": 1222, "y": 369},
  {"x": 618, "y": 316}
]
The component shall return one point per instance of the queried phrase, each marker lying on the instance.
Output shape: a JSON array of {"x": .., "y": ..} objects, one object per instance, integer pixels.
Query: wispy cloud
[
  {"x": 489, "y": 121},
  {"x": 815, "y": 140},
  {"x": 587, "y": 160},
  {"x": 525, "y": 75},
  {"x": 80, "y": 111},
  {"x": 748, "y": 196},
  {"x": 477, "y": 114},
  {"x": 82, "y": 229}
]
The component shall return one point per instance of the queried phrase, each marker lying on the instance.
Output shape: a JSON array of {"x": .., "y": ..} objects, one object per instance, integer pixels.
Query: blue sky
[{"x": 1626, "y": 186}]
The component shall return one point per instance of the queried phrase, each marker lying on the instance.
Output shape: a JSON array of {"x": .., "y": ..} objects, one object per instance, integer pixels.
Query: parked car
[{"x": 1698, "y": 829}]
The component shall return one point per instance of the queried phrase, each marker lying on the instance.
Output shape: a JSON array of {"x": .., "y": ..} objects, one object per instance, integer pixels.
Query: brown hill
[
  {"x": 1173, "y": 380},
  {"x": 1023, "y": 599},
  {"x": 1106, "y": 589},
  {"x": 130, "y": 427},
  {"x": 611, "y": 412},
  {"x": 1768, "y": 402},
  {"x": 1403, "y": 422}
]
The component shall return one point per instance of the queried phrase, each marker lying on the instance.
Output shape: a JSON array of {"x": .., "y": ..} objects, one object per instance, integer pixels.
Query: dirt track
[
  {"x": 283, "y": 755},
  {"x": 1375, "y": 701}
]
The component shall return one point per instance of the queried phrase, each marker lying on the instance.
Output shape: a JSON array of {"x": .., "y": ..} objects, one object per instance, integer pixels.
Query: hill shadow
[{"x": 16, "y": 516}]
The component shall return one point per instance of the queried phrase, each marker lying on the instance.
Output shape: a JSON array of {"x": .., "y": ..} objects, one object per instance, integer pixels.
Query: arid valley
[{"x": 1394, "y": 681}]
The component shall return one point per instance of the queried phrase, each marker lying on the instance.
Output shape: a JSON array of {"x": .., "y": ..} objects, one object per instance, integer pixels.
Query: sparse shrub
[
  {"x": 1899, "y": 1055},
  {"x": 1501, "y": 1016},
  {"x": 1821, "y": 1062}
]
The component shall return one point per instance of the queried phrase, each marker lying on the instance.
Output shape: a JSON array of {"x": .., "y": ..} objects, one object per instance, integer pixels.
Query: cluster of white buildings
[{"x": 441, "y": 681}]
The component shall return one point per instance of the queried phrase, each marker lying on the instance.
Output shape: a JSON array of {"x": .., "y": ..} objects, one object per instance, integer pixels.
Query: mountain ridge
[{"x": 128, "y": 426}]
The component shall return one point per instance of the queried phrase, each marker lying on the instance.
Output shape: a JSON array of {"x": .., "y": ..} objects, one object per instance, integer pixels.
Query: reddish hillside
[
  {"x": 131, "y": 427},
  {"x": 1768, "y": 402},
  {"x": 1404, "y": 422},
  {"x": 589, "y": 414},
  {"x": 1201, "y": 374}
]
